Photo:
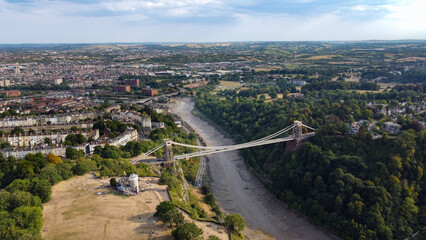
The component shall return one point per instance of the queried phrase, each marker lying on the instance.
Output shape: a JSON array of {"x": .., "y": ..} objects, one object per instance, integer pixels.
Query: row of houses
[
  {"x": 39, "y": 139},
  {"x": 44, "y": 120},
  {"x": 143, "y": 119},
  {"x": 389, "y": 127},
  {"x": 20, "y": 154},
  {"x": 400, "y": 109},
  {"x": 129, "y": 135},
  {"x": 63, "y": 119}
]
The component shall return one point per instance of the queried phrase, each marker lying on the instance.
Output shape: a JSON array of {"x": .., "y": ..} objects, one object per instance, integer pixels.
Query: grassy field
[
  {"x": 268, "y": 98},
  {"x": 229, "y": 84},
  {"x": 267, "y": 69},
  {"x": 411, "y": 59},
  {"x": 76, "y": 211},
  {"x": 226, "y": 85},
  {"x": 348, "y": 77},
  {"x": 384, "y": 86},
  {"x": 319, "y": 57}
]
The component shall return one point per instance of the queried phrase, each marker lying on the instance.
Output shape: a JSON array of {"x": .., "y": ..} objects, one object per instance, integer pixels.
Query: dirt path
[{"x": 237, "y": 191}]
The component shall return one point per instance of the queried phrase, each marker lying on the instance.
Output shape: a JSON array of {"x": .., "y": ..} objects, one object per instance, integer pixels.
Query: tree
[
  {"x": 113, "y": 182},
  {"x": 416, "y": 125},
  {"x": 172, "y": 216},
  {"x": 81, "y": 138},
  {"x": 187, "y": 231},
  {"x": 50, "y": 173},
  {"x": 73, "y": 153},
  {"x": 212, "y": 237},
  {"x": 168, "y": 213},
  {"x": 65, "y": 169},
  {"x": 28, "y": 217},
  {"x": 48, "y": 141},
  {"x": 37, "y": 160},
  {"x": 235, "y": 223},
  {"x": 81, "y": 168},
  {"x": 25, "y": 169},
  {"x": 163, "y": 208},
  {"x": 19, "y": 185},
  {"x": 17, "y": 131},
  {"x": 7, "y": 225},
  {"x": 71, "y": 139},
  {"x": 5, "y": 145},
  {"x": 52, "y": 158},
  {"x": 20, "y": 198},
  {"x": 41, "y": 188}
]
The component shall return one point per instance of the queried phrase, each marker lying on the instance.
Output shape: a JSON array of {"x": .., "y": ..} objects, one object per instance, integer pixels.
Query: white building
[
  {"x": 20, "y": 153},
  {"x": 58, "y": 81},
  {"x": 38, "y": 139},
  {"x": 391, "y": 127},
  {"x": 299, "y": 82},
  {"x": 130, "y": 134},
  {"x": 354, "y": 128},
  {"x": 44, "y": 120}
]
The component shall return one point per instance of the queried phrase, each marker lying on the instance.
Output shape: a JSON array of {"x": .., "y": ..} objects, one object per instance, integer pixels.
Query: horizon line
[{"x": 208, "y": 42}]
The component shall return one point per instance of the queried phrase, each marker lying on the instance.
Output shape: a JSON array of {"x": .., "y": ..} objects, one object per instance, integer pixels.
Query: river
[{"x": 238, "y": 191}]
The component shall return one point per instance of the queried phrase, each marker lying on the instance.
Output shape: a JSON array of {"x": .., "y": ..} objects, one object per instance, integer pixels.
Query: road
[
  {"x": 201, "y": 170},
  {"x": 237, "y": 191}
]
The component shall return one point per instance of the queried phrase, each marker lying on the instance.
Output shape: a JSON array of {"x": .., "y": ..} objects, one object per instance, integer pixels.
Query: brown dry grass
[
  {"x": 268, "y": 98},
  {"x": 384, "y": 86},
  {"x": 197, "y": 192},
  {"x": 343, "y": 63},
  {"x": 195, "y": 85},
  {"x": 229, "y": 84},
  {"x": 76, "y": 211},
  {"x": 267, "y": 69},
  {"x": 319, "y": 57},
  {"x": 411, "y": 59}
]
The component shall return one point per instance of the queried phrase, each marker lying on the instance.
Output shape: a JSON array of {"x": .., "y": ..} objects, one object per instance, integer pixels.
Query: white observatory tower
[{"x": 134, "y": 183}]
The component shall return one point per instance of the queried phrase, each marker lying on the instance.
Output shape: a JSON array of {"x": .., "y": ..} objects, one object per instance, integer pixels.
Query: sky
[{"x": 106, "y": 21}]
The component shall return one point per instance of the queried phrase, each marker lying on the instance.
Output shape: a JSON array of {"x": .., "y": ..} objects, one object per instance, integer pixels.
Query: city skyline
[{"x": 125, "y": 21}]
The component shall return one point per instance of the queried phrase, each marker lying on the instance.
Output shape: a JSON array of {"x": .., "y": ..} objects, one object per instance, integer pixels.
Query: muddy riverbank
[{"x": 237, "y": 191}]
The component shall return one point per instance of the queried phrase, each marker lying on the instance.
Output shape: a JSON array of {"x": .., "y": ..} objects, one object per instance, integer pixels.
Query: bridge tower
[
  {"x": 297, "y": 134},
  {"x": 297, "y": 130},
  {"x": 168, "y": 151}
]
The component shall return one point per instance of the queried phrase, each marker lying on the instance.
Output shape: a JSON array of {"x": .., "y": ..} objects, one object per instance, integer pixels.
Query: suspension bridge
[{"x": 297, "y": 136}]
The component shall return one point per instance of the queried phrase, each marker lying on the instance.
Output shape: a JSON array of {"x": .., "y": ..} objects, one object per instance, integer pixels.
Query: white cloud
[
  {"x": 408, "y": 15},
  {"x": 360, "y": 8},
  {"x": 139, "y": 21},
  {"x": 131, "y": 5}
]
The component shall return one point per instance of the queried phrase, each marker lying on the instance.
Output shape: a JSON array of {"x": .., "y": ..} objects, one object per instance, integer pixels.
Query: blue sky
[{"x": 91, "y": 21}]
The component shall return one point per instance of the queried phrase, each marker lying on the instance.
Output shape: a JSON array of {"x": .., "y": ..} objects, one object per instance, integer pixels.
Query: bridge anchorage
[{"x": 293, "y": 142}]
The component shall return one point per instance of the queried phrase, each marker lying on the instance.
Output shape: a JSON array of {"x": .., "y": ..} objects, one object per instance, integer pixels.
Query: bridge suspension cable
[
  {"x": 234, "y": 147},
  {"x": 308, "y": 127},
  {"x": 205, "y": 150},
  {"x": 144, "y": 155},
  {"x": 243, "y": 144}
]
